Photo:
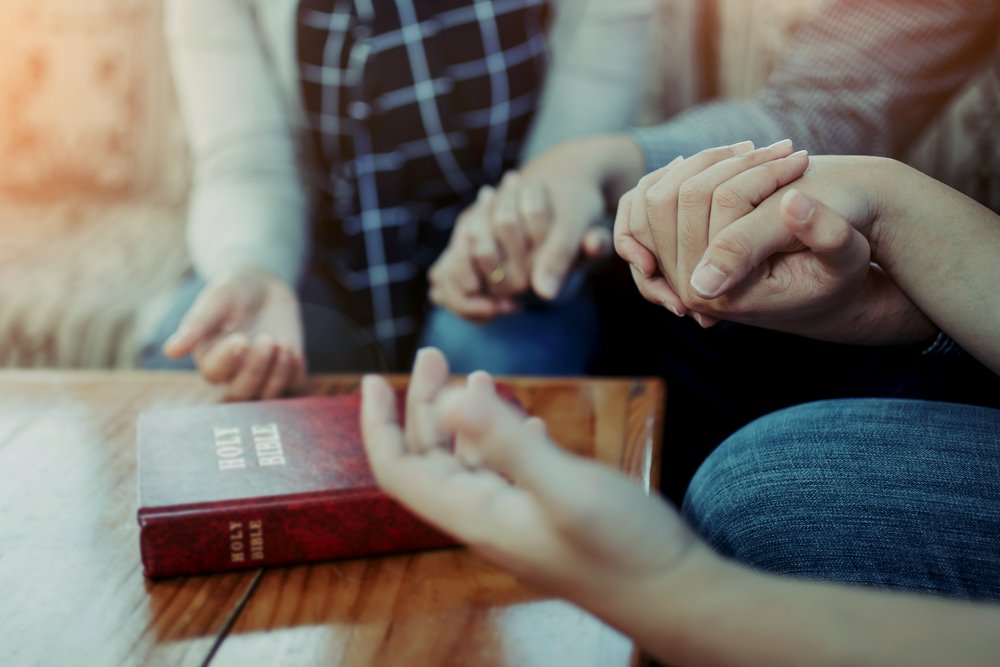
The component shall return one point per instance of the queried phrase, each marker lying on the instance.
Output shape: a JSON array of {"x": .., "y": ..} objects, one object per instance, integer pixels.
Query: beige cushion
[{"x": 77, "y": 278}]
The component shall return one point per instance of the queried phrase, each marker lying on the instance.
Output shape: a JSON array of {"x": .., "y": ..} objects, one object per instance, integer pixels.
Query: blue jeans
[
  {"x": 541, "y": 339},
  {"x": 888, "y": 493},
  {"x": 722, "y": 378}
]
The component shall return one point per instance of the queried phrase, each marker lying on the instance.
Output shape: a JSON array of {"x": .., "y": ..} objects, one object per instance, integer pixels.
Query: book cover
[{"x": 245, "y": 485}]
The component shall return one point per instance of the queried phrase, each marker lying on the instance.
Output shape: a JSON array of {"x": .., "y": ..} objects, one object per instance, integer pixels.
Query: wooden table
[{"x": 72, "y": 592}]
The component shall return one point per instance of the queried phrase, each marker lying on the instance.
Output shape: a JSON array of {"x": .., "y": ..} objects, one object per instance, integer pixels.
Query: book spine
[{"x": 240, "y": 537}]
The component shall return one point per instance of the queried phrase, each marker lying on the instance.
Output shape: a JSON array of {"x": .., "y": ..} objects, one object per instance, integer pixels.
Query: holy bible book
[{"x": 244, "y": 485}]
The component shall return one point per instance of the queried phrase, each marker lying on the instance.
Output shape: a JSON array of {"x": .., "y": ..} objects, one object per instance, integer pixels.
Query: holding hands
[
  {"x": 525, "y": 236},
  {"x": 723, "y": 236}
]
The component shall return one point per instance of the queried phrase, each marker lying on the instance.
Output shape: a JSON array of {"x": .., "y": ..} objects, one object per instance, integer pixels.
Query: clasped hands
[
  {"x": 721, "y": 236},
  {"x": 522, "y": 237}
]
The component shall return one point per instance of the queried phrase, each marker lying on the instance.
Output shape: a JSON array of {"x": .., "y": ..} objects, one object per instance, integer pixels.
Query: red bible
[{"x": 244, "y": 485}]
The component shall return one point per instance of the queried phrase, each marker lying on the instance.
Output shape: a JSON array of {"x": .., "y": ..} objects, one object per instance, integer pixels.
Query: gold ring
[{"x": 497, "y": 276}]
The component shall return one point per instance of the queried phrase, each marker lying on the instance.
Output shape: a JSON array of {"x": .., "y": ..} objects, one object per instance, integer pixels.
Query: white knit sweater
[{"x": 235, "y": 67}]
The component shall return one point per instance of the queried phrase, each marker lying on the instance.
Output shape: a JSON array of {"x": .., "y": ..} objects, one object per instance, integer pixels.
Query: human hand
[
  {"x": 454, "y": 279},
  {"x": 244, "y": 331},
  {"x": 540, "y": 222},
  {"x": 568, "y": 525},
  {"x": 664, "y": 223},
  {"x": 528, "y": 234},
  {"x": 727, "y": 251}
]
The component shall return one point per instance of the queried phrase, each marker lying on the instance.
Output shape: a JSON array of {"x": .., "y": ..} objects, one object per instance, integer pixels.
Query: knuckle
[
  {"x": 693, "y": 301},
  {"x": 836, "y": 237},
  {"x": 652, "y": 200},
  {"x": 732, "y": 245},
  {"x": 691, "y": 236},
  {"x": 505, "y": 221},
  {"x": 647, "y": 181},
  {"x": 482, "y": 252},
  {"x": 746, "y": 160},
  {"x": 692, "y": 194},
  {"x": 726, "y": 197},
  {"x": 642, "y": 285}
]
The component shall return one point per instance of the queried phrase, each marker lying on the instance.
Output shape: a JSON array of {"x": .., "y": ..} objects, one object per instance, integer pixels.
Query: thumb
[
  {"x": 205, "y": 317},
  {"x": 738, "y": 249},
  {"x": 837, "y": 244}
]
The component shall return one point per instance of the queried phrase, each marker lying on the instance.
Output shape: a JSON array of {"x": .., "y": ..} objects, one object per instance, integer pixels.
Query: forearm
[
  {"x": 250, "y": 222},
  {"x": 248, "y": 204},
  {"x": 942, "y": 249},
  {"x": 597, "y": 75},
  {"x": 612, "y": 161},
  {"x": 718, "y": 613}
]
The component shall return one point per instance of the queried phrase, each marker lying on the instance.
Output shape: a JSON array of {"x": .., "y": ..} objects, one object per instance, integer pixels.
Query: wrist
[
  {"x": 621, "y": 164},
  {"x": 679, "y": 614},
  {"x": 612, "y": 163},
  {"x": 883, "y": 315},
  {"x": 889, "y": 198},
  {"x": 251, "y": 272},
  {"x": 661, "y": 609}
]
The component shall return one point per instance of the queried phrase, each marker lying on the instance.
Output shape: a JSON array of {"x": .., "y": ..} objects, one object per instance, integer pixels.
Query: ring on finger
[{"x": 497, "y": 276}]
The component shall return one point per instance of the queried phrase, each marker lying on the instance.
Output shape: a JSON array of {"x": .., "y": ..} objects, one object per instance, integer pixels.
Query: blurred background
[{"x": 94, "y": 170}]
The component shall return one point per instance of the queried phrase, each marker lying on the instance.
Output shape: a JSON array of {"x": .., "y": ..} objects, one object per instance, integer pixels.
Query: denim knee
[{"x": 882, "y": 492}]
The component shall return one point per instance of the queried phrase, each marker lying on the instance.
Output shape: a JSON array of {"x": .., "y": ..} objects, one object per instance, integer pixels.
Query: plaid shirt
[{"x": 412, "y": 106}]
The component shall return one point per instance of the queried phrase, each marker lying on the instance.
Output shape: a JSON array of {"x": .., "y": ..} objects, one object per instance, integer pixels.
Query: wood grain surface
[{"x": 73, "y": 591}]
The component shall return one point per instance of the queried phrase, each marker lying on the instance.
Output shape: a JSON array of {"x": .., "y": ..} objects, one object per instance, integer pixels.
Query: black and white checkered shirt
[{"x": 412, "y": 105}]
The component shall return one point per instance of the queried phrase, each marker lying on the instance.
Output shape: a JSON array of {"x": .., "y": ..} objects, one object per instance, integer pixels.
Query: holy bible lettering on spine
[{"x": 245, "y": 485}]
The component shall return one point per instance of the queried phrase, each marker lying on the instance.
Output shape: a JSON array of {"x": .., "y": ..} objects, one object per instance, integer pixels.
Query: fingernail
[
  {"x": 671, "y": 308},
  {"x": 548, "y": 286},
  {"x": 697, "y": 318},
  {"x": 797, "y": 154},
  {"x": 708, "y": 280},
  {"x": 798, "y": 207},
  {"x": 178, "y": 336},
  {"x": 742, "y": 147},
  {"x": 784, "y": 143}
]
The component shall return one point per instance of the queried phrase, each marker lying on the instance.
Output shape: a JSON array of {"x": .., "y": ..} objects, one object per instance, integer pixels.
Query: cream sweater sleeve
[
  {"x": 599, "y": 50},
  {"x": 249, "y": 205}
]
